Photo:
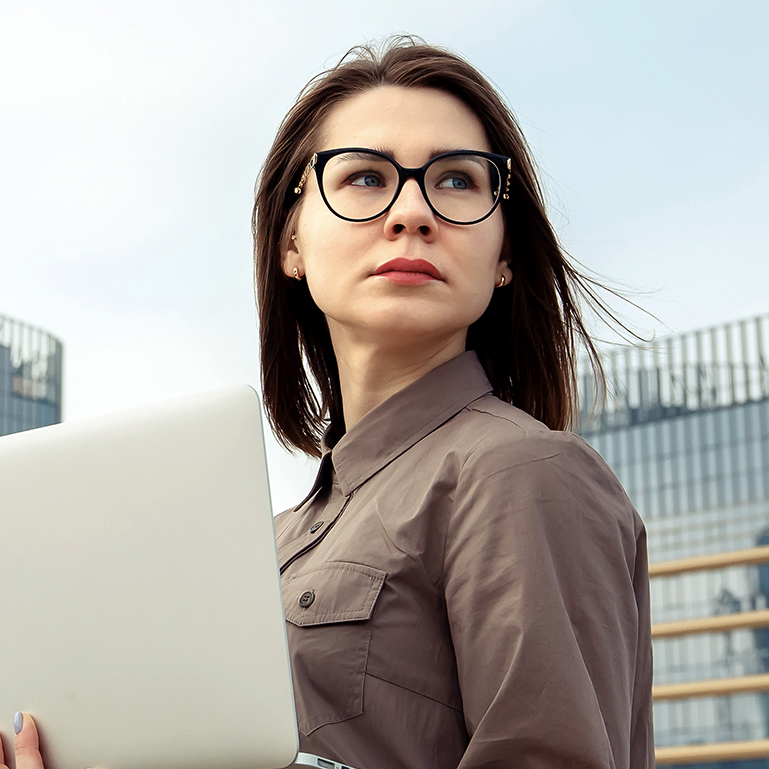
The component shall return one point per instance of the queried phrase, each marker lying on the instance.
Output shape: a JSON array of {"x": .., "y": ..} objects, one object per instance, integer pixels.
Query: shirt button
[
  {"x": 315, "y": 526},
  {"x": 306, "y": 598}
]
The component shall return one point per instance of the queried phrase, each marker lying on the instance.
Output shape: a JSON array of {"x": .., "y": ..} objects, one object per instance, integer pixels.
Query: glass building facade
[
  {"x": 686, "y": 429},
  {"x": 30, "y": 377}
]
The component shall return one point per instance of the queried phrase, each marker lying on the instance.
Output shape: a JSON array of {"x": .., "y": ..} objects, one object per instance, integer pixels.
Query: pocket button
[
  {"x": 306, "y": 598},
  {"x": 315, "y": 526}
]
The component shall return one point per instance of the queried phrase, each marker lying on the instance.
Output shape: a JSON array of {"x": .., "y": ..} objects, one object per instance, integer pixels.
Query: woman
[{"x": 465, "y": 585}]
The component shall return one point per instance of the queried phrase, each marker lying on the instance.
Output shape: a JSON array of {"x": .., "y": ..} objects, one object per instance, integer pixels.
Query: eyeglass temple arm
[
  {"x": 506, "y": 193},
  {"x": 310, "y": 166}
]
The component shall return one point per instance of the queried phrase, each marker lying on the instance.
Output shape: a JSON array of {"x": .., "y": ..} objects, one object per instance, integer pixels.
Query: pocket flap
[{"x": 332, "y": 592}]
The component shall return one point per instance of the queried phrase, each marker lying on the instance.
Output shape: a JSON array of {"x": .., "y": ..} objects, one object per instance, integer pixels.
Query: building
[
  {"x": 686, "y": 429},
  {"x": 30, "y": 377}
]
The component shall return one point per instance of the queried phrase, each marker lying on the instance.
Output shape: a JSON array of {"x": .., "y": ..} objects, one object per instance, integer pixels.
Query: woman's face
[{"x": 343, "y": 261}]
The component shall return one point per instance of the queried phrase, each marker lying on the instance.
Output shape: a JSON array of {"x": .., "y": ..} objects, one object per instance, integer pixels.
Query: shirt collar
[
  {"x": 398, "y": 423},
  {"x": 405, "y": 418}
]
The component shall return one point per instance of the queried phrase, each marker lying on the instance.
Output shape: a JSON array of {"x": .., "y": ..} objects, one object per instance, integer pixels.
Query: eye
[
  {"x": 456, "y": 182},
  {"x": 366, "y": 180}
]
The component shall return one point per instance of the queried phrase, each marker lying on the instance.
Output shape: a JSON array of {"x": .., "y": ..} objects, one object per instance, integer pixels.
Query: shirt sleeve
[{"x": 546, "y": 587}]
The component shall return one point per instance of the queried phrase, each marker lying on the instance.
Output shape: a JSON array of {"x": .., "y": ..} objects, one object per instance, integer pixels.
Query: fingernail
[{"x": 18, "y": 722}]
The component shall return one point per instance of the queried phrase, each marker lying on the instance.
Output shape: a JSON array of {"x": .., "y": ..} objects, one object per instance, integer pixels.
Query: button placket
[{"x": 309, "y": 545}]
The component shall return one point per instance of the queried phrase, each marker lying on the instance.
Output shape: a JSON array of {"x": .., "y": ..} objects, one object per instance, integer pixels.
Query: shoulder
[
  {"x": 511, "y": 455},
  {"x": 492, "y": 432}
]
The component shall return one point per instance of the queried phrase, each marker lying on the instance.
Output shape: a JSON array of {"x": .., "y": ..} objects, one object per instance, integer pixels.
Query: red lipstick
[{"x": 409, "y": 271}]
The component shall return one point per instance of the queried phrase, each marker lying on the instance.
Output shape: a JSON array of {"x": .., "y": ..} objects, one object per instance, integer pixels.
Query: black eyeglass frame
[{"x": 319, "y": 160}]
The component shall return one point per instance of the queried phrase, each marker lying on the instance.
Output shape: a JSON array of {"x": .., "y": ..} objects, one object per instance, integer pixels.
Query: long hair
[{"x": 527, "y": 339}]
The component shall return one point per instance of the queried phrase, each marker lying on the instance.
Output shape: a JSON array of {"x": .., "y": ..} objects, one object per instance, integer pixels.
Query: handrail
[
  {"x": 716, "y": 687},
  {"x": 712, "y": 751},
  {"x": 716, "y": 751},
  {"x": 716, "y": 624},
  {"x": 715, "y": 561}
]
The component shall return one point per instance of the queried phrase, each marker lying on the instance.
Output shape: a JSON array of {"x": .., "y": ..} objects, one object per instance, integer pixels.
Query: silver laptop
[{"x": 142, "y": 623}]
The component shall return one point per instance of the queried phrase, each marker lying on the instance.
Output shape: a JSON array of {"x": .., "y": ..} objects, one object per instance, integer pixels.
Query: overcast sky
[{"x": 131, "y": 134}]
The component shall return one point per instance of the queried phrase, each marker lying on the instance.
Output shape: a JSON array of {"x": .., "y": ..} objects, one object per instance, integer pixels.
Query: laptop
[{"x": 142, "y": 621}]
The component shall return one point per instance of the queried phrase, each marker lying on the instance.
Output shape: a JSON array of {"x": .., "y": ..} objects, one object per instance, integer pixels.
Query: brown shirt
[{"x": 466, "y": 588}]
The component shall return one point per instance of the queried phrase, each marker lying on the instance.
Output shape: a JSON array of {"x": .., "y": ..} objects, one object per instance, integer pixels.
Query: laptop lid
[{"x": 142, "y": 623}]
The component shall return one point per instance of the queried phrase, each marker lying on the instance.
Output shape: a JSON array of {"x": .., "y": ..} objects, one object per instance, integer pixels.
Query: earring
[
  {"x": 296, "y": 274},
  {"x": 501, "y": 282}
]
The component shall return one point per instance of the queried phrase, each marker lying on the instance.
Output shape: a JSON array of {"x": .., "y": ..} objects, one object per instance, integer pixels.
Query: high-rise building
[
  {"x": 30, "y": 377},
  {"x": 686, "y": 429}
]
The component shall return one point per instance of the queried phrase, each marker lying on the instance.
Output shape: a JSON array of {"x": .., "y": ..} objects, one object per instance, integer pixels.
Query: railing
[
  {"x": 718, "y": 751},
  {"x": 35, "y": 360},
  {"x": 696, "y": 371}
]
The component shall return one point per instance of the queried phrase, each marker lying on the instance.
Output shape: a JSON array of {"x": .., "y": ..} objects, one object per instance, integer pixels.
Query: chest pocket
[{"x": 328, "y": 610}]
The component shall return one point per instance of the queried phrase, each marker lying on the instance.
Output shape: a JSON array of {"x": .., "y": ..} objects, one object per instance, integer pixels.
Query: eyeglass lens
[{"x": 361, "y": 185}]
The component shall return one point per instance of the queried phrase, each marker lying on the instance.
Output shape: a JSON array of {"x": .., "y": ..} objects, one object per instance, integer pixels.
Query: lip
[{"x": 415, "y": 267}]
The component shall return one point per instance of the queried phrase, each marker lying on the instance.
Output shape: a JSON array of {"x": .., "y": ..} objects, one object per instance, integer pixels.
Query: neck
[{"x": 370, "y": 372}]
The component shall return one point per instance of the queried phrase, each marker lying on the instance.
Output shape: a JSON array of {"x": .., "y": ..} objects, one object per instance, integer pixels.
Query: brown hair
[{"x": 526, "y": 339}]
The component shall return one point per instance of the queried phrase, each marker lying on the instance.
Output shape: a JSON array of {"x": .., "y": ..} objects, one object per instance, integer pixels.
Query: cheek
[
  {"x": 482, "y": 268},
  {"x": 322, "y": 235},
  {"x": 326, "y": 273},
  {"x": 497, "y": 237},
  {"x": 483, "y": 253}
]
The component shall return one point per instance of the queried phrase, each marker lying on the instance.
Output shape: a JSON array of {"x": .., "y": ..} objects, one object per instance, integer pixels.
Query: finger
[
  {"x": 26, "y": 744},
  {"x": 3, "y": 765}
]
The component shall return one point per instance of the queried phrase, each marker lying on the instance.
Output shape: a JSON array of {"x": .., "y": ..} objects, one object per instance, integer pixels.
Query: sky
[{"x": 132, "y": 132}]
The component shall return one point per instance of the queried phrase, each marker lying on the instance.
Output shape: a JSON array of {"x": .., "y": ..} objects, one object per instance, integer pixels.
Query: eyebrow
[
  {"x": 433, "y": 153},
  {"x": 442, "y": 150},
  {"x": 360, "y": 154}
]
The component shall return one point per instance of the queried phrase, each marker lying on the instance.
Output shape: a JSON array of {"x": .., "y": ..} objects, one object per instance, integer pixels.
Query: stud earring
[
  {"x": 501, "y": 282},
  {"x": 296, "y": 274}
]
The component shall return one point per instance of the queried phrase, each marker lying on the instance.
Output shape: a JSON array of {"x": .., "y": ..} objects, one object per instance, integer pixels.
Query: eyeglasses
[{"x": 358, "y": 184}]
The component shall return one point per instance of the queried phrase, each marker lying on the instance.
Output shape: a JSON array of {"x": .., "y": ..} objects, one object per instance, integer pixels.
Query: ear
[
  {"x": 503, "y": 270},
  {"x": 291, "y": 258}
]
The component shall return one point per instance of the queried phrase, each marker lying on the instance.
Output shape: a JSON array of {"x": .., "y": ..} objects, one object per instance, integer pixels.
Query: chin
[{"x": 405, "y": 331}]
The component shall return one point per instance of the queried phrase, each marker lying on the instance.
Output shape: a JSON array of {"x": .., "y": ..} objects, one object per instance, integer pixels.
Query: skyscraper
[
  {"x": 686, "y": 429},
  {"x": 30, "y": 377}
]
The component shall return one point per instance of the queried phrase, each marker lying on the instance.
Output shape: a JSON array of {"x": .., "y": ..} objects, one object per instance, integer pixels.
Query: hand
[{"x": 25, "y": 745}]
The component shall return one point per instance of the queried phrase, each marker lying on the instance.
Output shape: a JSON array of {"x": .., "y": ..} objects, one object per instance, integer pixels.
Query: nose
[{"x": 410, "y": 213}]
